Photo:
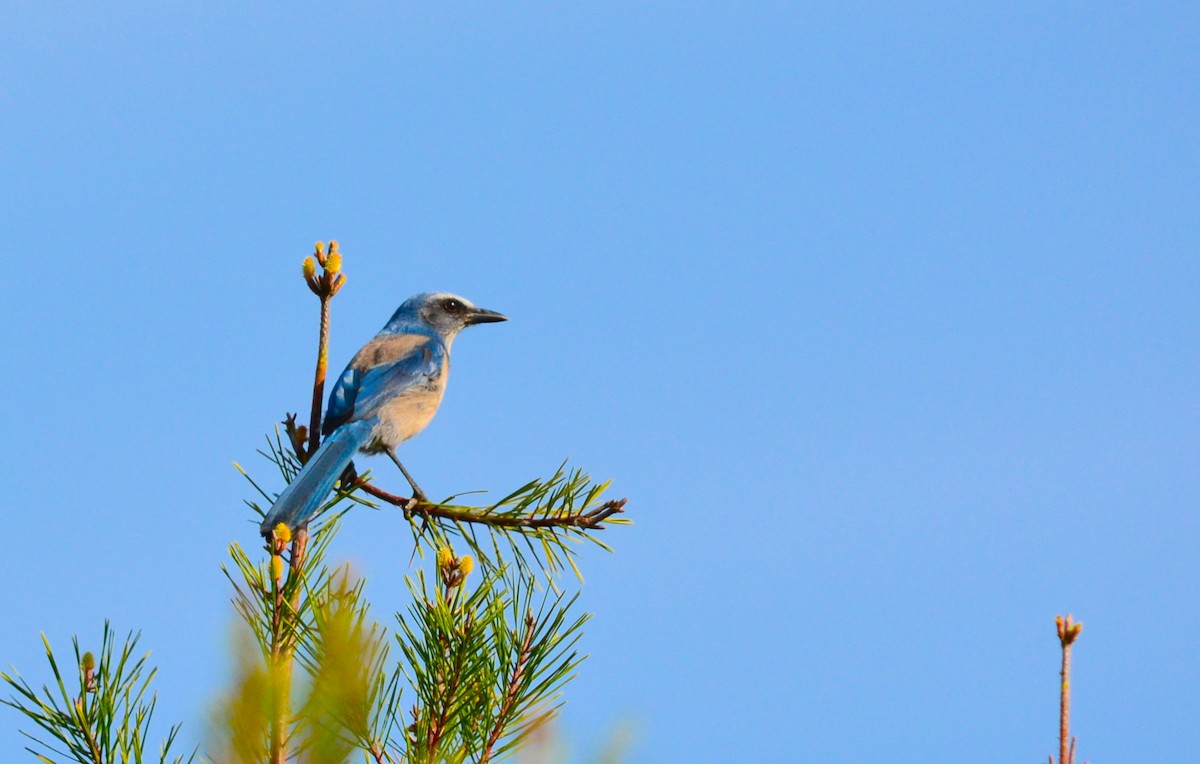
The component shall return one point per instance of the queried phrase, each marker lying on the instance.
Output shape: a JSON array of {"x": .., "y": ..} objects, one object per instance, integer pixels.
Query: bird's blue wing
[
  {"x": 384, "y": 368},
  {"x": 382, "y": 383},
  {"x": 341, "y": 400}
]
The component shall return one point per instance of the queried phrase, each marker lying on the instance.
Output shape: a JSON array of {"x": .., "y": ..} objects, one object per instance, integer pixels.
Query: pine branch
[
  {"x": 590, "y": 520},
  {"x": 537, "y": 522},
  {"x": 283, "y": 633},
  {"x": 510, "y": 695},
  {"x": 107, "y": 721}
]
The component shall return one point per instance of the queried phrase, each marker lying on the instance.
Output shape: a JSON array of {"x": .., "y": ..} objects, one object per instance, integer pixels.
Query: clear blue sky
[{"x": 884, "y": 318}]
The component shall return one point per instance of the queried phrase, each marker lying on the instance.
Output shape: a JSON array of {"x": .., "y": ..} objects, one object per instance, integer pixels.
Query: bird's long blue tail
[{"x": 306, "y": 493}]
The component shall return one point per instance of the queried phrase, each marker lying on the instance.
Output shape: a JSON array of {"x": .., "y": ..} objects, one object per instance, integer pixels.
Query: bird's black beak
[{"x": 482, "y": 316}]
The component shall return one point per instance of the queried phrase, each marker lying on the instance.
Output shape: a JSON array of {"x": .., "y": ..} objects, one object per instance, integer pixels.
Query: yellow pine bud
[
  {"x": 319, "y": 252},
  {"x": 87, "y": 663},
  {"x": 282, "y": 533},
  {"x": 333, "y": 247},
  {"x": 310, "y": 268},
  {"x": 333, "y": 263},
  {"x": 444, "y": 557},
  {"x": 1068, "y": 629},
  {"x": 466, "y": 565},
  {"x": 276, "y": 568}
]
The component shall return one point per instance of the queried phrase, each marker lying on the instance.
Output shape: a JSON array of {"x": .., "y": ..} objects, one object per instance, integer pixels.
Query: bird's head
[{"x": 447, "y": 314}]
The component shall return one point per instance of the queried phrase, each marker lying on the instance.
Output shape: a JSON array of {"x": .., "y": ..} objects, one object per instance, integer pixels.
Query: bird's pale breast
[{"x": 409, "y": 412}]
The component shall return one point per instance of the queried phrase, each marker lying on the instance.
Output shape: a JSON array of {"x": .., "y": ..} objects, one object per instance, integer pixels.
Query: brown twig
[
  {"x": 314, "y": 419},
  {"x": 376, "y": 752},
  {"x": 296, "y": 561},
  {"x": 282, "y": 645},
  {"x": 437, "y": 730},
  {"x": 514, "y": 686},
  {"x": 283, "y": 633},
  {"x": 591, "y": 520},
  {"x": 86, "y": 727},
  {"x": 1068, "y": 632}
]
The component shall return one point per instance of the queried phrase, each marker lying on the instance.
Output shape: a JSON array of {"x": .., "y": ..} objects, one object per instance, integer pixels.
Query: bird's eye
[{"x": 452, "y": 306}]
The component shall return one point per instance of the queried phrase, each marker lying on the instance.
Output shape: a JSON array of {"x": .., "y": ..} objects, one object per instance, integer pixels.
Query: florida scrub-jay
[{"x": 388, "y": 393}]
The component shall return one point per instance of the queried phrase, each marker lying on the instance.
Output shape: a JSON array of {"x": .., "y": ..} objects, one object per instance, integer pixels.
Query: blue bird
[{"x": 388, "y": 393}]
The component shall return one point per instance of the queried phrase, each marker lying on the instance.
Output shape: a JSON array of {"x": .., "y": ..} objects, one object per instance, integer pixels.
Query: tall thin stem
[
  {"x": 314, "y": 419},
  {"x": 1064, "y": 708},
  {"x": 283, "y": 633},
  {"x": 1068, "y": 632},
  {"x": 282, "y": 708}
]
